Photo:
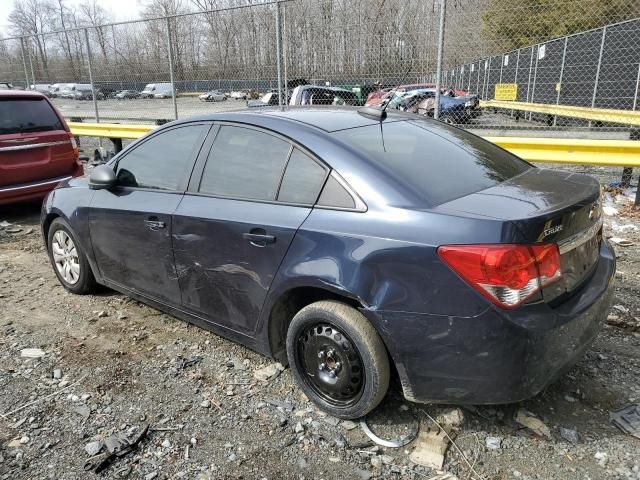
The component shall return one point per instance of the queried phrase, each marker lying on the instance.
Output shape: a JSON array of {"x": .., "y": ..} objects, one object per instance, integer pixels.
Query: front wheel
[
  {"x": 68, "y": 259},
  {"x": 338, "y": 359}
]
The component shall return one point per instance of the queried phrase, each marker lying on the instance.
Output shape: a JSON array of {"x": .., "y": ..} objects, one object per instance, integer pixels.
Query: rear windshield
[
  {"x": 437, "y": 163},
  {"x": 27, "y": 115}
]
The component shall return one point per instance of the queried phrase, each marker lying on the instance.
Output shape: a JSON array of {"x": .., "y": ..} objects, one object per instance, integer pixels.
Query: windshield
[
  {"x": 437, "y": 163},
  {"x": 149, "y": 88},
  {"x": 27, "y": 115}
]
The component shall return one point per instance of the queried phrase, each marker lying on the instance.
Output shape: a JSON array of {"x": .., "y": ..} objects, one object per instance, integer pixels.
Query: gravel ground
[{"x": 112, "y": 365}]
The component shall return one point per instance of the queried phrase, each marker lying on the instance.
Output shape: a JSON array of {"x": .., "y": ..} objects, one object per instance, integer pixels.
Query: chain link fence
[{"x": 307, "y": 52}]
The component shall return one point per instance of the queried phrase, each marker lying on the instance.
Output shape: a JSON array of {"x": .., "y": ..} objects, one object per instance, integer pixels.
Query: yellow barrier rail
[
  {"x": 617, "y": 153},
  {"x": 109, "y": 130},
  {"x": 626, "y": 117}
]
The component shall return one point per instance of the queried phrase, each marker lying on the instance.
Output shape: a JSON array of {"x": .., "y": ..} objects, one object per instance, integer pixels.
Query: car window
[
  {"x": 162, "y": 161},
  {"x": 335, "y": 195},
  {"x": 244, "y": 163},
  {"x": 427, "y": 159},
  {"x": 27, "y": 115},
  {"x": 302, "y": 179}
]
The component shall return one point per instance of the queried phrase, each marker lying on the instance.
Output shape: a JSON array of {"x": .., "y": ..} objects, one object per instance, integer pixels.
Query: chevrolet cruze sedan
[{"x": 353, "y": 246}]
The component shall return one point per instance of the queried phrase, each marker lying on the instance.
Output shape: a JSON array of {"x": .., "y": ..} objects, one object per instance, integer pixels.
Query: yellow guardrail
[
  {"x": 626, "y": 117},
  {"x": 617, "y": 153},
  {"x": 109, "y": 130},
  {"x": 189, "y": 94}
]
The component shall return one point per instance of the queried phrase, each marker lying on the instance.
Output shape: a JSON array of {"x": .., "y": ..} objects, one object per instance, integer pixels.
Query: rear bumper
[
  {"x": 31, "y": 191},
  {"x": 498, "y": 356}
]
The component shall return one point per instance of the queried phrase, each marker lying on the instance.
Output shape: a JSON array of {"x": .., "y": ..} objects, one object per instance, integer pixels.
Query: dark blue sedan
[{"x": 352, "y": 246}]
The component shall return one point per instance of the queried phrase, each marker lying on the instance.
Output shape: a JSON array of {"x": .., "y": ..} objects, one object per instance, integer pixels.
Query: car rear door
[
  {"x": 249, "y": 194},
  {"x": 130, "y": 225},
  {"x": 34, "y": 144}
]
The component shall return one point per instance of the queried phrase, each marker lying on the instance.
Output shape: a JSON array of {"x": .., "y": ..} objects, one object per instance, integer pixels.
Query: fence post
[
  {"x": 564, "y": 55},
  {"x": 173, "y": 85},
  {"x": 535, "y": 75},
  {"x": 278, "y": 54},
  {"x": 93, "y": 88},
  {"x": 595, "y": 86},
  {"x": 284, "y": 54},
  {"x": 443, "y": 9},
  {"x": 488, "y": 75},
  {"x": 33, "y": 75},
  {"x": 24, "y": 63},
  {"x": 635, "y": 97}
]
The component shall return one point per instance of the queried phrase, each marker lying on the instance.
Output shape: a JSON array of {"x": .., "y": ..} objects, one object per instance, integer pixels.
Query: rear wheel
[
  {"x": 338, "y": 359},
  {"x": 68, "y": 259}
]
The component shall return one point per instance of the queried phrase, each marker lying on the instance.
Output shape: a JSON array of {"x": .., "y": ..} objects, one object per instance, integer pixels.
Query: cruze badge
[{"x": 551, "y": 231}]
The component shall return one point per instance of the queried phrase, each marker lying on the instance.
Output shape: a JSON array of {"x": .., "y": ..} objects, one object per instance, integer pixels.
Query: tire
[
  {"x": 319, "y": 340},
  {"x": 80, "y": 283}
]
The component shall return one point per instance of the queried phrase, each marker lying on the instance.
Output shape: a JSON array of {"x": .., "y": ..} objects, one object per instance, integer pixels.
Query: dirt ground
[{"x": 112, "y": 365}]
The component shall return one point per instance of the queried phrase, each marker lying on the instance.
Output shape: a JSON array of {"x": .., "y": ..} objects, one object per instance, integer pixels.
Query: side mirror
[{"x": 102, "y": 177}]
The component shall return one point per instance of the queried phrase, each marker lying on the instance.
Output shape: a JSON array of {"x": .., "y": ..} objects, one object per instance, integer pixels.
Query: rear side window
[
  {"x": 335, "y": 195},
  {"x": 162, "y": 161},
  {"x": 438, "y": 164},
  {"x": 244, "y": 163},
  {"x": 27, "y": 115},
  {"x": 302, "y": 179}
]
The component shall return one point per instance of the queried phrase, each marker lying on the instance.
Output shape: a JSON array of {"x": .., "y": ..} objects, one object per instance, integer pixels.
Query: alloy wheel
[
  {"x": 331, "y": 364},
  {"x": 65, "y": 257}
]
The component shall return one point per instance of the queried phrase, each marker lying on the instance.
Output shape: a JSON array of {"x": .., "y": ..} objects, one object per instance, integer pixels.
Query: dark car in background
[
  {"x": 346, "y": 242},
  {"x": 319, "y": 95},
  {"x": 123, "y": 94},
  {"x": 37, "y": 150}
]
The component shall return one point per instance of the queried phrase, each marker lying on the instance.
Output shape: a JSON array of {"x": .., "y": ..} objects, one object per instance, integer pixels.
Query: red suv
[{"x": 37, "y": 149}]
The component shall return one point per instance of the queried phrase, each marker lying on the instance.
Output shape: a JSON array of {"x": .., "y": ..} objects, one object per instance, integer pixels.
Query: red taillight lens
[
  {"x": 506, "y": 274},
  {"x": 74, "y": 146}
]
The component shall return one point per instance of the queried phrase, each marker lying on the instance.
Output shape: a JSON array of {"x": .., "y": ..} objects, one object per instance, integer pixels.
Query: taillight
[
  {"x": 74, "y": 146},
  {"x": 507, "y": 274}
]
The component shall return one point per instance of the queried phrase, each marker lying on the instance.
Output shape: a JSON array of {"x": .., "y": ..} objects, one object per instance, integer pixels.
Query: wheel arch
[{"x": 290, "y": 302}]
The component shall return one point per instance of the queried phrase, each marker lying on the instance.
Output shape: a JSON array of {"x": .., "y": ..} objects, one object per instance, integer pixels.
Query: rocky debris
[
  {"x": 569, "y": 434},
  {"x": 57, "y": 374},
  {"x": 269, "y": 372},
  {"x": 132, "y": 376}
]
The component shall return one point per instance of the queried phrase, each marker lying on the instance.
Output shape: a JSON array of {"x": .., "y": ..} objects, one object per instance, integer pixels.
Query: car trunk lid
[{"x": 546, "y": 206}]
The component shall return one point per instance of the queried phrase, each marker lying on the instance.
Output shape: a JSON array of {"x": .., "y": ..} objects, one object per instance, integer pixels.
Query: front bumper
[{"x": 498, "y": 356}]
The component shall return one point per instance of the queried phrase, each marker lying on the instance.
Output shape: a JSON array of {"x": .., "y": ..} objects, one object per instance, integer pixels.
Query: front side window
[
  {"x": 244, "y": 163},
  {"x": 162, "y": 161}
]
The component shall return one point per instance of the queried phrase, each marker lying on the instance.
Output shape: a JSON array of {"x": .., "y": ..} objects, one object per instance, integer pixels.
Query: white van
[{"x": 157, "y": 90}]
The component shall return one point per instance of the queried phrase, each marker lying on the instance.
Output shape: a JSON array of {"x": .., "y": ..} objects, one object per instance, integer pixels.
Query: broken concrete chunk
[
  {"x": 493, "y": 443},
  {"x": 534, "y": 424},
  {"x": 269, "y": 372},
  {"x": 32, "y": 353},
  {"x": 93, "y": 448},
  {"x": 431, "y": 447}
]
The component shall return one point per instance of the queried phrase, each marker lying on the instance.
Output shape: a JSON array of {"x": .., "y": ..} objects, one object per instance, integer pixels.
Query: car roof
[
  {"x": 325, "y": 118},
  {"x": 21, "y": 93}
]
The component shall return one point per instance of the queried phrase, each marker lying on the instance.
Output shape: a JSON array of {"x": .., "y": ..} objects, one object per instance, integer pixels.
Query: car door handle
[
  {"x": 259, "y": 239},
  {"x": 154, "y": 224}
]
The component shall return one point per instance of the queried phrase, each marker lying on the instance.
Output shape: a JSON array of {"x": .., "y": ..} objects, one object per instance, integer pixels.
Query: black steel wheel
[
  {"x": 338, "y": 359},
  {"x": 332, "y": 365}
]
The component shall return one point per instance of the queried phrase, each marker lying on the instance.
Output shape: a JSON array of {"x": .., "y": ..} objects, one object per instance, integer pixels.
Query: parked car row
[{"x": 456, "y": 106}]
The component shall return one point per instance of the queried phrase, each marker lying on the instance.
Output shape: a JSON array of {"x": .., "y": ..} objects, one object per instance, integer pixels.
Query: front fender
[{"x": 71, "y": 201}]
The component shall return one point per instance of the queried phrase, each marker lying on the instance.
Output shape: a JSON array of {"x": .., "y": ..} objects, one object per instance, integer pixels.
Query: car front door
[
  {"x": 130, "y": 225},
  {"x": 249, "y": 194}
]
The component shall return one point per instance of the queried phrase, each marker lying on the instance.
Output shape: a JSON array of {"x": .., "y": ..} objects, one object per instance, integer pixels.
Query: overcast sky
[{"x": 121, "y": 10}]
